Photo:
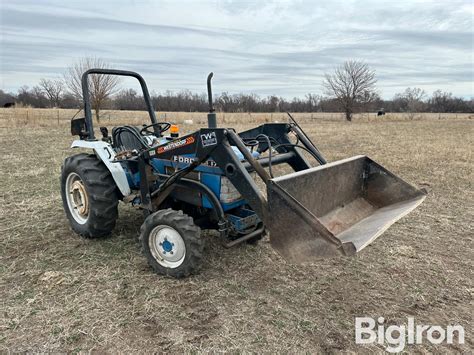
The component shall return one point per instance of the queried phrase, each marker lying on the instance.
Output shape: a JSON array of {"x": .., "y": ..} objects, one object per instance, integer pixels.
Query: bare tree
[
  {"x": 442, "y": 102},
  {"x": 129, "y": 99},
  {"x": 53, "y": 89},
  {"x": 7, "y": 98},
  {"x": 32, "y": 97},
  {"x": 411, "y": 101},
  {"x": 352, "y": 84},
  {"x": 101, "y": 86}
]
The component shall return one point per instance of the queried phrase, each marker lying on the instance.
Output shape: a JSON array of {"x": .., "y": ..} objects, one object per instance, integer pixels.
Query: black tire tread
[
  {"x": 102, "y": 191},
  {"x": 191, "y": 234}
]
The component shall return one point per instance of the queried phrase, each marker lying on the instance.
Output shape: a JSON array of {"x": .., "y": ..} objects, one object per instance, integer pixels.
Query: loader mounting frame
[{"x": 218, "y": 149}]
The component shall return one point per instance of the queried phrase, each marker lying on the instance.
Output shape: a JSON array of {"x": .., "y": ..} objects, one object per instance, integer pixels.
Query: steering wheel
[{"x": 163, "y": 127}]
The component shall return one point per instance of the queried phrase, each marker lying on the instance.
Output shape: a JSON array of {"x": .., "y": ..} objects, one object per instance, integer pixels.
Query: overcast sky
[{"x": 266, "y": 47}]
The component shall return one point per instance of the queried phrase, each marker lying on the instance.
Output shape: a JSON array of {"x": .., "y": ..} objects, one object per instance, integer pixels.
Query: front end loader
[{"x": 216, "y": 178}]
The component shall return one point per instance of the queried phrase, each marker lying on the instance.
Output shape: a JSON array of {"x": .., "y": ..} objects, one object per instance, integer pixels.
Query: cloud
[{"x": 275, "y": 47}]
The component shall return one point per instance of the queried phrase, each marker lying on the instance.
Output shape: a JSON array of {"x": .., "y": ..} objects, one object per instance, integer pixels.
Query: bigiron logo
[{"x": 395, "y": 337}]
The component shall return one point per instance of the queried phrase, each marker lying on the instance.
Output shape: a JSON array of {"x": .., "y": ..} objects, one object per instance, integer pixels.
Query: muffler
[{"x": 336, "y": 208}]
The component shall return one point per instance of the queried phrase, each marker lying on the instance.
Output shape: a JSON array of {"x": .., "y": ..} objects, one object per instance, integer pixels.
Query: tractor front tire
[
  {"x": 90, "y": 195},
  {"x": 172, "y": 243}
]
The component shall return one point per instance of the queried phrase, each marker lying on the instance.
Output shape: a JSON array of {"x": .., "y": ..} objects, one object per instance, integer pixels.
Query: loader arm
[
  {"x": 327, "y": 210},
  {"x": 217, "y": 144}
]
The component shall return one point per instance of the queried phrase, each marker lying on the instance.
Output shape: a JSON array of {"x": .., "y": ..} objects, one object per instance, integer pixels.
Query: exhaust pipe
[{"x": 211, "y": 116}]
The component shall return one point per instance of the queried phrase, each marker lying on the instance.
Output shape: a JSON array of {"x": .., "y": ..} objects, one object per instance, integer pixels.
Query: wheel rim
[
  {"x": 167, "y": 246},
  {"x": 77, "y": 198}
]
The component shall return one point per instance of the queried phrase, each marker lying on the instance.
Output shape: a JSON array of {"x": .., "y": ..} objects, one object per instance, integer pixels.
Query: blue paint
[
  {"x": 208, "y": 175},
  {"x": 167, "y": 246},
  {"x": 213, "y": 182},
  {"x": 240, "y": 156},
  {"x": 231, "y": 205},
  {"x": 133, "y": 179},
  {"x": 243, "y": 218}
]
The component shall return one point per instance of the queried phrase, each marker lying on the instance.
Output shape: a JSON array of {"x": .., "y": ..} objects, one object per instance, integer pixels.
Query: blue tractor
[{"x": 212, "y": 179}]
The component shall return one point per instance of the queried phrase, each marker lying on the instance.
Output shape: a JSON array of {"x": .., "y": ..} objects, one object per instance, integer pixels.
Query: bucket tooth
[{"x": 336, "y": 208}]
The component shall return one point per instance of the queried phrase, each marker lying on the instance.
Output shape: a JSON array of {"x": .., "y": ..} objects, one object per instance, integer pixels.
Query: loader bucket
[{"x": 336, "y": 208}]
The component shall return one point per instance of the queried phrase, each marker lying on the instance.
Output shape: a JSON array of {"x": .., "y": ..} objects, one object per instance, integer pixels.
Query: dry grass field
[{"x": 60, "y": 292}]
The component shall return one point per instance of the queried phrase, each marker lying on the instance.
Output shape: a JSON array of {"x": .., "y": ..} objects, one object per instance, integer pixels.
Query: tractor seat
[{"x": 127, "y": 138}]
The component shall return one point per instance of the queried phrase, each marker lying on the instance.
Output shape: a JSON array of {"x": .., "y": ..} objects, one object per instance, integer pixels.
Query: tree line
[
  {"x": 410, "y": 100},
  {"x": 350, "y": 88}
]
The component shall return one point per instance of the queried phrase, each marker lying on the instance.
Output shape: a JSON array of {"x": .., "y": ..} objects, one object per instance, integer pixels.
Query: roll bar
[{"x": 87, "y": 102}]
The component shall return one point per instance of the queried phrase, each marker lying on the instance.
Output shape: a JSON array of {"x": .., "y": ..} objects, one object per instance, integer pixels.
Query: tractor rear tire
[
  {"x": 172, "y": 243},
  {"x": 90, "y": 195}
]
